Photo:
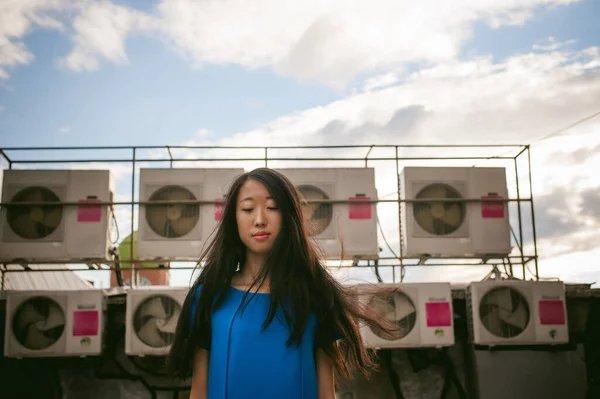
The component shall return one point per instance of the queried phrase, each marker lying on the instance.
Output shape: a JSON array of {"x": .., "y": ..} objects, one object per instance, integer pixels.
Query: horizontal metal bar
[
  {"x": 212, "y": 202},
  {"x": 150, "y": 147},
  {"x": 165, "y": 262},
  {"x": 150, "y": 160}
]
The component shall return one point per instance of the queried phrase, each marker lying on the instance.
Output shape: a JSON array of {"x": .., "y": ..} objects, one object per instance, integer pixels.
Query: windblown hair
[{"x": 297, "y": 277}]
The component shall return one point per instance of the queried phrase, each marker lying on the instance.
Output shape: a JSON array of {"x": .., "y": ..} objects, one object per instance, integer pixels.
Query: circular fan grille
[
  {"x": 155, "y": 320},
  {"x": 504, "y": 312},
  {"x": 318, "y": 216},
  {"x": 172, "y": 221},
  {"x": 36, "y": 221},
  {"x": 397, "y": 308},
  {"x": 38, "y": 323},
  {"x": 439, "y": 218}
]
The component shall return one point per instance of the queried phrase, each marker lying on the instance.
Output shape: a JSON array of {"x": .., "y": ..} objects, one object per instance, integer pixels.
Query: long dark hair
[{"x": 297, "y": 276}]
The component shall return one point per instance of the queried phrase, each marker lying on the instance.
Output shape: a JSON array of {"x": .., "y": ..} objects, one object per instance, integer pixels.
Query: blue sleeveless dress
[{"x": 247, "y": 362}]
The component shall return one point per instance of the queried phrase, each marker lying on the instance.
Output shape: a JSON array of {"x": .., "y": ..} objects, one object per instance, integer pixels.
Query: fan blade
[
  {"x": 453, "y": 216},
  {"x": 171, "y": 324},
  {"x": 179, "y": 194},
  {"x": 28, "y": 315},
  {"x": 493, "y": 323},
  {"x": 35, "y": 195},
  {"x": 425, "y": 219},
  {"x": 437, "y": 191},
  {"x": 52, "y": 218},
  {"x": 150, "y": 335},
  {"x": 55, "y": 318},
  {"x": 404, "y": 307},
  {"x": 184, "y": 225},
  {"x": 157, "y": 218},
  {"x": 25, "y": 226},
  {"x": 154, "y": 307},
  {"x": 519, "y": 318},
  {"x": 35, "y": 339}
]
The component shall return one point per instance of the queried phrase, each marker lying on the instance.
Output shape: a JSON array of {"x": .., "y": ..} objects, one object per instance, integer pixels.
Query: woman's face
[{"x": 258, "y": 217}]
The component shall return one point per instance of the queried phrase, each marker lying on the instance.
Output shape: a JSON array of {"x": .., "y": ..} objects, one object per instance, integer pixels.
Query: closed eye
[{"x": 247, "y": 210}]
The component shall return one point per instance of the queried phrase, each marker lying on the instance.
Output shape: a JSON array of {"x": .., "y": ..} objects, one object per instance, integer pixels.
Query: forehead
[{"x": 253, "y": 190}]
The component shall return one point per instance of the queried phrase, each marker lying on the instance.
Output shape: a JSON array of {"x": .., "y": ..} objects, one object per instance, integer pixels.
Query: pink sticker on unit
[
  {"x": 492, "y": 209},
  {"x": 89, "y": 213},
  {"x": 219, "y": 208},
  {"x": 359, "y": 211},
  {"x": 85, "y": 323},
  {"x": 438, "y": 314},
  {"x": 552, "y": 312}
]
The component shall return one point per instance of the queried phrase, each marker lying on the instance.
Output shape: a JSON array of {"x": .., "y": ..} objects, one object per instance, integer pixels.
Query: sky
[{"x": 317, "y": 72}]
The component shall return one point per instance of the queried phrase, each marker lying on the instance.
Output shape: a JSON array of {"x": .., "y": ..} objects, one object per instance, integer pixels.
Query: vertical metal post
[
  {"x": 520, "y": 220},
  {"x": 266, "y": 158},
  {"x": 399, "y": 218},
  {"x": 535, "y": 251},
  {"x": 132, "y": 274}
]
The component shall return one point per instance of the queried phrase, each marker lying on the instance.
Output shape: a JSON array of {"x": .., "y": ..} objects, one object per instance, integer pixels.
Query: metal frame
[{"x": 398, "y": 261}]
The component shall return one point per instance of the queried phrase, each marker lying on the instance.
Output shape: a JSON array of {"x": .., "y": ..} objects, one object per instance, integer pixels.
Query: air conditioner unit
[
  {"x": 460, "y": 229},
  {"x": 421, "y": 311},
  {"x": 53, "y": 232},
  {"x": 152, "y": 315},
  {"x": 54, "y": 323},
  {"x": 180, "y": 231},
  {"x": 514, "y": 312},
  {"x": 333, "y": 225}
]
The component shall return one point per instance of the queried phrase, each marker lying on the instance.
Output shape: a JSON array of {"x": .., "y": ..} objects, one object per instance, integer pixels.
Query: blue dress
[{"x": 248, "y": 362}]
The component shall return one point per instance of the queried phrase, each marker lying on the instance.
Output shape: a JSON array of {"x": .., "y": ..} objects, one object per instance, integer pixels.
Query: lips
[{"x": 260, "y": 234}]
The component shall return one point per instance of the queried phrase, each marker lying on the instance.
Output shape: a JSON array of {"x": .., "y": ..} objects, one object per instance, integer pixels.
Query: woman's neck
[{"x": 251, "y": 267}]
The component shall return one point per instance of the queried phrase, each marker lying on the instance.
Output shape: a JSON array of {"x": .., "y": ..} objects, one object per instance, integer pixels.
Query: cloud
[
  {"x": 330, "y": 41},
  {"x": 316, "y": 40},
  {"x": 17, "y": 19},
  {"x": 100, "y": 32}
]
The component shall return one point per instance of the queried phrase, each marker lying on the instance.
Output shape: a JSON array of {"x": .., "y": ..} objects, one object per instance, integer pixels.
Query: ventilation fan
[
  {"x": 317, "y": 215},
  {"x": 155, "y": 321},
  {"x": 172, "y": 220},
  {"x": 180, "y": 231},
  {"x": 514, "y": 312},
  {"x": 35, "y": 221},
  {"x": 439, "y": 218},
  {"x": 397, "y": 308},
  {"x": 54, "y": 323},
  {"x": 420, "y": 312},
  {"x": 345, "y": 227},
  {"x": 41, "y": 228},
  {"x": 460, "y": 225},
  {"x": 38, "y": 323},
  {"x": 152, "y": 315},
  {"x": 504, "y": 312}
]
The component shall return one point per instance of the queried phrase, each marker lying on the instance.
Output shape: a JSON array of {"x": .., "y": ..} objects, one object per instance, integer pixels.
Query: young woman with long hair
[{"x": 264, "y": 318}]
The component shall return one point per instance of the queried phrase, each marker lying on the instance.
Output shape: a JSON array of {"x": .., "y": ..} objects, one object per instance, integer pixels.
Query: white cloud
[
  {"x": 100, "y": 32},
  {"x": 17, "y": 18},
  {"x": 317, "y": 40},
  {"x": 331, "y": 41}
]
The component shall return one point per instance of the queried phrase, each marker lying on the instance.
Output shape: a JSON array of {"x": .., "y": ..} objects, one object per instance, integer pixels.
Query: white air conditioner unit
[
  {"x": 333, "y": 225},
  {"x": 54, "y": 323},
  {"x": 180, "y": 231},
  {"x": 514, "y": 312},
  {"x": 53, "y": 232},
  {"x": 152, "y": 315},
  {"x": 460, "y": 229},
  {"x": 422, "y": 313}
]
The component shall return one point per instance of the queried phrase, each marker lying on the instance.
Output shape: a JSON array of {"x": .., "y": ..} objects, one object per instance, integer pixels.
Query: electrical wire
[{"x": 402, "y": 269}]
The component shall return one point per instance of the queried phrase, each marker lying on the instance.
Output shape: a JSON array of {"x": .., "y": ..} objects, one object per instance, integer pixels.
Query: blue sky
[
  {"x": 143, "y": 73},
  {"x": 158, "y": 98}
]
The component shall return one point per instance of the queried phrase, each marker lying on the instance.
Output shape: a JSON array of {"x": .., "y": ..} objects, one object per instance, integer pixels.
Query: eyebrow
[{"x": 252, "y": 199}]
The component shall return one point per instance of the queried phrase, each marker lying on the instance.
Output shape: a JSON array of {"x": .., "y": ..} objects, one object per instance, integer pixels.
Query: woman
[{"x": 265, "y": 319}]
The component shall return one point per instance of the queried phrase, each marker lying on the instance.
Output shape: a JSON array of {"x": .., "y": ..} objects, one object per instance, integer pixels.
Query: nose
[{"x": 260, "y": 219}]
